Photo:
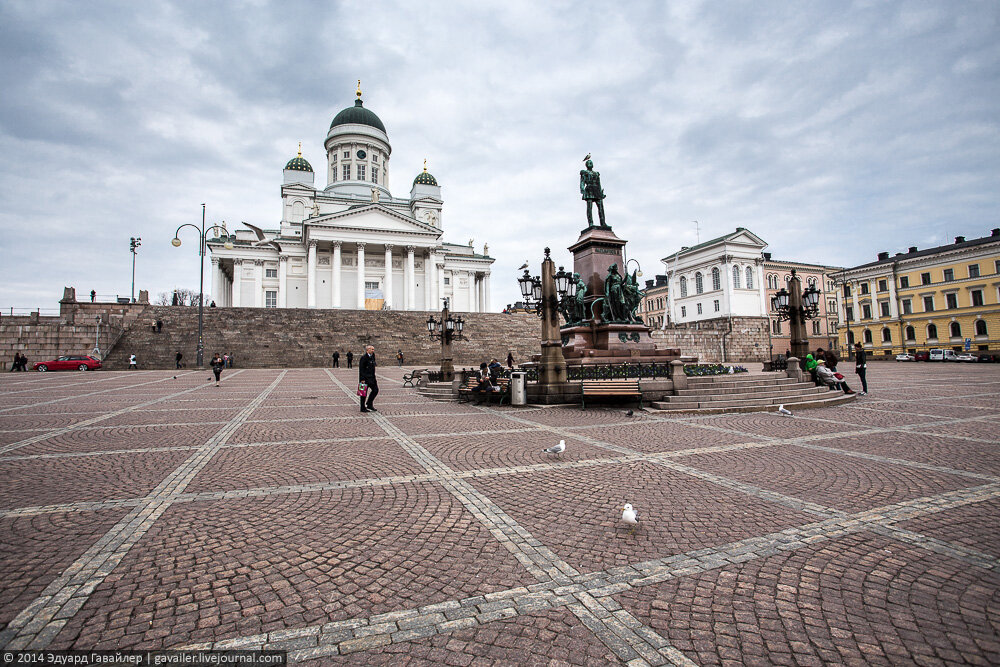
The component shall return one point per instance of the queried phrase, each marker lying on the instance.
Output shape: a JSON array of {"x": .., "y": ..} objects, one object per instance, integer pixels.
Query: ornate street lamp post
[
  {"x": 134, "y": 243},
  {"x": 540, "y": 295},
  {"x": 176, "y": 242},
  {"x": 797, "y": 306},
  {"x": 446, "y": 330}
]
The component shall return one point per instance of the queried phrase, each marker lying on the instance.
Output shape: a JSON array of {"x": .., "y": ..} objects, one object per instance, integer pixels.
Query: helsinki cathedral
[{"x": 351, "y": 244}]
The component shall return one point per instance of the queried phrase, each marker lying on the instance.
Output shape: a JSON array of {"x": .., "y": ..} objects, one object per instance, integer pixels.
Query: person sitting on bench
[{"x": 485, "y": 383}]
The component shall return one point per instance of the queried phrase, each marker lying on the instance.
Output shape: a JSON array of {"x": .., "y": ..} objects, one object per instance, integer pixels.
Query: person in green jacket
[{"x": 811, "y": 367}]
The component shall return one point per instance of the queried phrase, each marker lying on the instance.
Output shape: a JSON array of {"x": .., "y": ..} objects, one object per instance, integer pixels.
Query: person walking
[
  {"x": 159, "y": 326},
  {"x": 861, "y": 367},
  {"x": 24, "y": 363},
  {"x": 510, "y": 360},
  {"x": 132, "y": 364},
  {"x": 16, "y": 366},
  {"x": 366, "y": 374},
  {"x": 217, "y": 365},
  {"x": 93, "y": 295},
  {"x": 399, "y": 358},
  {"x": 178, "y": 359},
  {"x": 350, "y": 359},
  {"x": 336, "y": 358}
]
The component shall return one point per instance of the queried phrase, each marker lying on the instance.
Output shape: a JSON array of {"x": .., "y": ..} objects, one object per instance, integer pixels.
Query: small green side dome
[
  {"x": 424, "y": 178},
  {"x": 357, "y": 115},
  {"x": 299, "y": 163}
]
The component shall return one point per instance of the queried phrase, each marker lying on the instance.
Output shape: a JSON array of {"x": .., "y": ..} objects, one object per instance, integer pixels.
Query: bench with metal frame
[{"x": 465, "y": 391}]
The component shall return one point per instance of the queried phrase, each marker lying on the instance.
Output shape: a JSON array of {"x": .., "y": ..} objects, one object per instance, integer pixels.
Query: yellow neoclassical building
[{"x": 944, "y": 297}]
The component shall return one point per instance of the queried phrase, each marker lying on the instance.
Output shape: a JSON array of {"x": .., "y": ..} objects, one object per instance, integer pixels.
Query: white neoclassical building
[
  {"x": 718, "y": 278},
  {"x": 352, "y": 244}
]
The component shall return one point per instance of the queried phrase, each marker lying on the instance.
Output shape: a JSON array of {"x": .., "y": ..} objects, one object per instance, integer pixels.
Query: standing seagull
[
  {"x": 784, "y": 411},
  {"x": 523, "y": 266},
  {"x": 586, "y": 158},
  {"x": 630, "y": 516},
  {"x": 556, "y": 449}
]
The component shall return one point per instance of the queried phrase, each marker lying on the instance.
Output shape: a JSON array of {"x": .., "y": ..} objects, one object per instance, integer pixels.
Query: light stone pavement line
[
  {"x": 804, "y": 440},
  {"x": 83, "y": 506},
  {"x": 49, "y": 385},
  {"x": 72, "y": 455},
  {"x": 69, "y": 429},
  {"x": 973, "y": 557},
  {"x": 360, "y": 633},
  {"x": 157, "y": 424},
  {"x": 541, "y": 562},
  {"x": 36, "y": 626},
  {"x": 93, "y": 393}
]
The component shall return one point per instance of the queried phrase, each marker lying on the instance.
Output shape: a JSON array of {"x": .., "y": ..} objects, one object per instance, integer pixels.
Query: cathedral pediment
[{"x": 374, "y": 217}]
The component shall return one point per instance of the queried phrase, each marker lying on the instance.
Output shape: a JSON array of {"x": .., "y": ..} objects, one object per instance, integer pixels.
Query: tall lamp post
[
  {"x": 133, "y": 246},
  {"x": 797, "y": 306},
  {"x": 540, "y": 296},
  {"x": 446, "y": 330},
  {"x": 176, "y": 242},
  {"x": 97, "y": 338}
]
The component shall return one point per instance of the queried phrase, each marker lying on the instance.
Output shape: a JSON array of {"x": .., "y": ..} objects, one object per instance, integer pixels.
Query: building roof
[
  {"x": 914, "y": 253},
  {"x": 720, "y": 239},
  {"x": 425, "y": 178}
]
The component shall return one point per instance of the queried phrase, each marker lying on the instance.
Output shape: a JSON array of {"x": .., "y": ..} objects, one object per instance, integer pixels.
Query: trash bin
[{"x": 518, "y": 392}]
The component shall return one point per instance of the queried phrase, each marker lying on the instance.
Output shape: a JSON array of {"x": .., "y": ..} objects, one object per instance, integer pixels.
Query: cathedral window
[
  {"x": 716, "y": 280},
  {"x": 750, "y": 277},
  {"x": 361, "y": 172},
  {"x": 736, "y": 277},
  {"x": 684, "y": 286},
  {"x": 270, "y": 273},
  {"x": 270, "y": 299},
  {"x": 699, "y": 283},
  {"x": 375, "y": 157},
  {"x": 347, "y": 154},
  {"x": 347, "y": 172},
  {"x": 374, "y": 174}
]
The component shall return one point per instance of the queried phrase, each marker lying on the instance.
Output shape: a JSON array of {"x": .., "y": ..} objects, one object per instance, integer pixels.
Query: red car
[{"x": 68, "y": 363}]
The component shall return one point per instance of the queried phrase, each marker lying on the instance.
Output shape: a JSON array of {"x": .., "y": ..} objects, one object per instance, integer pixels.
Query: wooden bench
[
  {"x": 465, "y": 391},
  {"x": 600, "y": 388}
]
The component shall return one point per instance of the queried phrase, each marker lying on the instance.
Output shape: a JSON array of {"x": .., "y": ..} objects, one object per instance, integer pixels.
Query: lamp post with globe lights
[
  {"x": 797, "y": 306},
  {"x": 446, "y": 330},
  {"x": 202, "y": 244},
  {"x": 134, "y": 243},
  {"x": 542, "y": 295}
]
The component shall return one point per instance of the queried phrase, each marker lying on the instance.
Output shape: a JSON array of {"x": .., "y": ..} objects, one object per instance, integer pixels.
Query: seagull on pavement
[
  {"x": 630, "y": 516},
  {"x": 784, "y": 411},
  {"x": 556, "y": 449}
]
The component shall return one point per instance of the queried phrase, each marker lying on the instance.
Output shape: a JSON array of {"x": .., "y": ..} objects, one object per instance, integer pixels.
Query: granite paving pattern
[{"x": 145, "y": 510}]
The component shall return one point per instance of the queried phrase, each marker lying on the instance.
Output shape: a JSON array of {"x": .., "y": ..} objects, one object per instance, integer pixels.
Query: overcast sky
[{"x": 832, "y": 130}]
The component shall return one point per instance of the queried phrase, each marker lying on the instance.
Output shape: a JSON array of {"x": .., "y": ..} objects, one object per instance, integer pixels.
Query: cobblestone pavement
[{"x": 148, "y": 510}]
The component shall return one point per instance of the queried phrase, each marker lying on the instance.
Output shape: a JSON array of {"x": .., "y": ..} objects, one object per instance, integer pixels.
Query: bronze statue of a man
[{"x": 590, "y": 188}]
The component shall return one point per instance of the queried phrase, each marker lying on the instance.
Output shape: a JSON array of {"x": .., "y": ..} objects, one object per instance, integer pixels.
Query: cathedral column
[
  {"x": 428, "y": 283},
  {"x": 336, "y": 274},
  {"x": 472, "y": 290},
  {"x": 387, "y": 291},
  {"x": 311, "y": 276},
  {"x": 486, "y": 292},
  {"x": 283, "y": 281},
  {"x": 361, "y": 276},
  {"x": 440, "y": 286},
  {"x": 481, "y": 300},
  {"x": 258, "y": 283},
  {"x": 410, "y": 278},
  {"x": 216, "y": 282},
  {"x": 237, "y": 279}
]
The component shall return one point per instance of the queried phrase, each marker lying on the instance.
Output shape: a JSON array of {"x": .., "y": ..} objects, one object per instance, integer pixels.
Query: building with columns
[{"x": 352, "y": 244}]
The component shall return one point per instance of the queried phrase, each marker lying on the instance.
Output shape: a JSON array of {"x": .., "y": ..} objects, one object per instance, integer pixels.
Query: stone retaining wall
[{"x": 718, "y": 340}]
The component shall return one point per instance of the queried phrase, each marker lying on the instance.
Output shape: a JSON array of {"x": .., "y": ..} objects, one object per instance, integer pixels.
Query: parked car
[
  {"x": 987, "y": 358},
  {"x": 939, "y": 354},
  {"x": 965, "y": 356},
  {"x": 68, "y": 363},
  {"x": 904, "y": 357},
  {"x": 922, "y": 356}
]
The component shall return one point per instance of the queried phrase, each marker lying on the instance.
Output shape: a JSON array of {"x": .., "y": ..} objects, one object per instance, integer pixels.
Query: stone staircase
[
  {"x": 437, "y": 391},
  {"x": 754, "y": 393}
]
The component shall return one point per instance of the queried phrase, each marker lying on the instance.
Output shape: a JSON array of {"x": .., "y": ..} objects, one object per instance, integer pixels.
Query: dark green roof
[
  {"x": 425, "y": 178},
  {"x": 298, "y": 164},
  {"x": 357, "y": 115}
]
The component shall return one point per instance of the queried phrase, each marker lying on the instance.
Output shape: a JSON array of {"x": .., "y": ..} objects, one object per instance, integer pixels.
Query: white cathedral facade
[{"x": 351, "y": 244}]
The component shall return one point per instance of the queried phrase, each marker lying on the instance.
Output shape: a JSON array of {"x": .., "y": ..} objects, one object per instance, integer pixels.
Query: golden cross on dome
[
  {"x": 359, "y": 89},
  {"x": 300, "y": 149},
  {"x": 425, "y": 165}
]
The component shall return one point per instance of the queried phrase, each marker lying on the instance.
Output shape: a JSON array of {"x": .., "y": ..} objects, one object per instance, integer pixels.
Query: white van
[{"x": 938, "y": 354}]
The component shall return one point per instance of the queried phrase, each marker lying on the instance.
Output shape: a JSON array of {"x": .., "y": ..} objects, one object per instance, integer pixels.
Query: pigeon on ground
[
  {"x": 175, "y": 377},
  {"x": 629, "y": 413},
  {"x": 784, "y": 411},
  {"x": 630, "y": 516},
  {"x": 556, "y": 449}
]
